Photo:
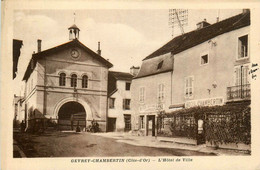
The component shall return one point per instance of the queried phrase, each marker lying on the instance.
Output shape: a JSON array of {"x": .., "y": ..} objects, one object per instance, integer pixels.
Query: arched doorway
[{"x": 71, "y": 114}]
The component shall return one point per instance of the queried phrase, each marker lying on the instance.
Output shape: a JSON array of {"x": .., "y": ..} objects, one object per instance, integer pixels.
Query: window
[
  {"x": 242, "y": 75},
  {"x": 141, "y": 122},
  {"x": 127, "y": 86},
  {"x": 85, "y": 81},
  {"x": 111, "y": 103},
  {"x": 243, "y": 47},
  {"x": 62, "y": 80},
  {"x": 141, "y": 94},
  {"x": 159, "y": 66},
  {"x": 188, "y": 86},
  {"x": 161, "y": 92},
  {"x": 73, "y": 82},
  {"x": 126, "y": 104},
  {"x": 204, "y": 59}
]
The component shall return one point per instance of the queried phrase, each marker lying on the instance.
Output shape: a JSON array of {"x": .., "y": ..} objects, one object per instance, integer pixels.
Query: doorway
[
  {"x": 127, "y": 119},
  {"x": 71, "y": 115},
  {"x": 150, "y": 125},
  {"x": 111, "y": 124}
]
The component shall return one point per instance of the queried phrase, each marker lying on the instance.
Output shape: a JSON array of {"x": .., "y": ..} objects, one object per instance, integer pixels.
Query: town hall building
[{"x": 66, "y": 81}]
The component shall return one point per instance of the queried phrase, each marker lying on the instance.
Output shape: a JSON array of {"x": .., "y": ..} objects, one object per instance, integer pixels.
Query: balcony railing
[{"x": 239, "y": 92}]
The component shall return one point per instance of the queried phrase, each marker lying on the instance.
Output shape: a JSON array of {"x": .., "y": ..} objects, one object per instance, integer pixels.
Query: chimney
[
  {"x": 39, "y": 42},
  {"x": 245, "y": 11},
  {"x": 134, "y": 70},
  {"x": 99, "y": 51},
  {"x": 217, "y": 19},
  {"x": 202, "y": 24}
]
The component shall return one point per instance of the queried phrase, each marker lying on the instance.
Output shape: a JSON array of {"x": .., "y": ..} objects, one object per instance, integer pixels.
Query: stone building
[
  {"x": 119, "y": 102},
  {"x": 69, "y": 79},
  {"x": 208, "y": 66}
]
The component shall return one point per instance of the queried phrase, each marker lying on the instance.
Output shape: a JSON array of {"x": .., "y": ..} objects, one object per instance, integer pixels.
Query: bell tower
[{"x": 74, "y": 30}]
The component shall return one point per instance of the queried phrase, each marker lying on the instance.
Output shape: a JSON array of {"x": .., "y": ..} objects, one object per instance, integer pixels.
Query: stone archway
[
  {"x": 71, "y": 115},
  {"x": 80, "y": 103}
]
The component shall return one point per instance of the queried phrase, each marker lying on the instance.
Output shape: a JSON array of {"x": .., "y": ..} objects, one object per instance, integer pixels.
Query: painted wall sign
[
  {"x": 151, "y": 107},
  {"x": 205, "y": 102}
]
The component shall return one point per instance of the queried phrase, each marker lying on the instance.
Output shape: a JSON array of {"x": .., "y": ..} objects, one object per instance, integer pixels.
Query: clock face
[{"x": 74, "y": 53}]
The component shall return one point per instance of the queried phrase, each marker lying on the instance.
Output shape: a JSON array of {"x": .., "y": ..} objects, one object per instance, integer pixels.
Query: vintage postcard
[{"x": 130, "y": 84}]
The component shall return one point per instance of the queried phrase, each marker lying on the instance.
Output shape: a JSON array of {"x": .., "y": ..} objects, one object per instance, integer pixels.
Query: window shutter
[
  {"x": 192, "y": 85},
  {"x": 124, "y": 104},
  {"x": 140, "y": 94},
  {"x": 143, "y": 97},
  {"x": 237, "y": 74},
  {"x": 245, "y": 75},
  {"x": 239, "y": 48}
]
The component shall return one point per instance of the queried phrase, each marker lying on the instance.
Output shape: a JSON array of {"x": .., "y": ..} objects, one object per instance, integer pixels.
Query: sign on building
[{"x": 218, "y": 101}]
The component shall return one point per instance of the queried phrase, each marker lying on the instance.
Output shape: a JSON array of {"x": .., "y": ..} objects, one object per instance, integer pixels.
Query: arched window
[
  {"x": 85, "y": 81},
  {"x": 62, "y": 80},
  {"x": 73, "y": 82}
]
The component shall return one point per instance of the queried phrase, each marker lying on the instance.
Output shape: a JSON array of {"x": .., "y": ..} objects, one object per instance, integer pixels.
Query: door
[
  {"x": 151, "y": 125},
  {"x": 111, "y": 124},
  {"x": 127, "y": 119},
  {"x": 200, "y": 132}
]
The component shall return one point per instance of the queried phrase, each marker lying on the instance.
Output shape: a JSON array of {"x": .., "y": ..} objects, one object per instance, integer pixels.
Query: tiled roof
[
  {"x": 150, "y": 67},
  {"x": 47, "y": 52},
  {"x": 73, "y": 26},
  {"x": 183, "y": 42},
  {"x": 121, "y": 75},
  {"x": 193, "y": 38}
]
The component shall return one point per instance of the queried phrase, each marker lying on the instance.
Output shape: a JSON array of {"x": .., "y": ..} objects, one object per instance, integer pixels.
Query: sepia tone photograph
[{"x": 131, "y": 83}]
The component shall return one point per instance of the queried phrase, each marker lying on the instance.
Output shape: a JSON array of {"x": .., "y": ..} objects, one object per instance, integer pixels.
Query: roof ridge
[
  {"x": 55, "y": 46},
  {"x": 194, "y": 31}
]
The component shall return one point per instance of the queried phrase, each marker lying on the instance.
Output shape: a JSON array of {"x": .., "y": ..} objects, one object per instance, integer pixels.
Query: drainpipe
[
  {"x": 107, "y": 103},
  {"x": 44, "y": 86},
  {"x": 172, "y": 75}
]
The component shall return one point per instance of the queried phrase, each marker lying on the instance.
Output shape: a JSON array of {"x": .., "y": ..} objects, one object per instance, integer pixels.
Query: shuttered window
[
  {"x": 141, "y": 94},
  {"x": 241, "y": 75},
  {"x": 161, "y": 92},
  {"x": 189, "y": 86}
]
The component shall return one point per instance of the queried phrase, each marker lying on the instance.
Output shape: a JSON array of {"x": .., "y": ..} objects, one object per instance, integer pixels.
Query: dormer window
[{"x": 159, "y": 66}]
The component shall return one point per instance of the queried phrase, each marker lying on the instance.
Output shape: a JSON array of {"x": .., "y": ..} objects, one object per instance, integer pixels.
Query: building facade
[
  {"x": 151, "y": 92},
  {"x": 119, "y": 101},
  {"x": 209, "y": 67},
  {"x": 65, "y": 81}
]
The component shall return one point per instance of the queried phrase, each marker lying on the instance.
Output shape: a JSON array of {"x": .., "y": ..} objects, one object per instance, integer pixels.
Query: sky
[{"x": 126, "y": 35}]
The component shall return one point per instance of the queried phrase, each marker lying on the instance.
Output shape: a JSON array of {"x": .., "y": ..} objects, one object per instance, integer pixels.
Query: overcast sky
[{"x": 126, "y": 36}]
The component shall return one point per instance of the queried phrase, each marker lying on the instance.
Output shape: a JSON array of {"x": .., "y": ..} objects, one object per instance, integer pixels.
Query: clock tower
[{"x": 73, "y": 32}]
